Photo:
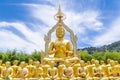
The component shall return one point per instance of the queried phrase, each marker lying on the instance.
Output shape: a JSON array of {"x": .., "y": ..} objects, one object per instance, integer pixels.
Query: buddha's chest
[
  {"x": 15, "y": 68},
  {"x": 30, "y": 68},
  {"x": 59, "y": 44},
  {"x": 96, "y": 69},
  {"x": 81, "y": 70}
]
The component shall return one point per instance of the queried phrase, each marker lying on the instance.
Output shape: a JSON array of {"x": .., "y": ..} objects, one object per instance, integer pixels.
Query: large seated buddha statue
[{"x": 60, "y": 48}]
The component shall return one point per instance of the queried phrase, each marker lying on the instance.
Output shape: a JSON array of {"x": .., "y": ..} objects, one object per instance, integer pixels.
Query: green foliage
[
  {"x": 112, "y": 55},
  {"x": 85, "y": 56},
  {"x": 36, "y": 56},
  {"x": 100, "y": 55},
  {"x": 20, "y": 56}
]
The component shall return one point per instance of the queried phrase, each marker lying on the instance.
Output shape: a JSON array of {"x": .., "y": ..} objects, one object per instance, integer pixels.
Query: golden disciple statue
[
  {"x": 30, "y": 68},
  {"x": 1, "y": 68},
  {"x": 15, "y": 68},
  {"x": 22, "y": 71},
  {"x": 7, "y": 71},
  {"x": 52, "y": 71},
  {"x": 60, "y": 48},
  {"x": 68, "y": 72}
]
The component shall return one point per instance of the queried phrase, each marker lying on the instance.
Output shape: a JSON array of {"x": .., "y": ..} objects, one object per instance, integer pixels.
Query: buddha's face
[
  {"x": 60, "y": 32},
  {"x": 15, "y": 62},
  {"x": 108, "y": 61},
  {"x": 7, "y": 64},
  {"x": 22, "y": 64},
  {"x": 102, "y": 62},
  {"x": 96, "y": 63},
  {"x": 30, "y": 61},
  {"x": 37, "y": 63},
  {"x": 82, "y": 63},
  {"x": 93, "y": 61}
]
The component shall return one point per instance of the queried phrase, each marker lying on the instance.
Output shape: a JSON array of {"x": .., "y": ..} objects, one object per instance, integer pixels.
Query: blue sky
[{"x": 23, "y": 23}]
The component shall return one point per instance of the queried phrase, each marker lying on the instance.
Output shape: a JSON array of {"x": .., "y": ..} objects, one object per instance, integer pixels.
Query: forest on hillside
[{"x": 111, "y": 47}]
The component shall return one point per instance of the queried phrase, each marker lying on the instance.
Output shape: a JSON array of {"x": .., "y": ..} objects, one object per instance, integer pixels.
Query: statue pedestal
[{"x": 61, "y": 60}]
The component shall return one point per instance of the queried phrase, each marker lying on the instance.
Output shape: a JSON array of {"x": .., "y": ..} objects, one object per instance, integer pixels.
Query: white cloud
[
  {"x": 111, "y": 35},
  {"x": 75, "y": 20},
  {"x": 79, "y": 22},
  {"x": 12, "y": 41},
  {"x": 9, "y": 41}
]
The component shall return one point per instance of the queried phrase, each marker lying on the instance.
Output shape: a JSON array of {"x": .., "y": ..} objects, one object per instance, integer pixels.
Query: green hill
[{"x": 111, "y": 47}]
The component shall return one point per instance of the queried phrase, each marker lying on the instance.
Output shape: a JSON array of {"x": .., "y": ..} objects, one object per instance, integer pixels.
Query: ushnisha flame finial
[{"x": 60, "y": 15}]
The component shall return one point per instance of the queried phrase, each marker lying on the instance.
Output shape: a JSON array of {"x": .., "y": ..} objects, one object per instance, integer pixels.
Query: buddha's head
[
  {"x": 37, "y": 63},
  {"x": 15, "y": 62},
  {"x": 112, "y": 62},
  {"x": 108, "y": 61},
  {"x": 3, "y": 65},
  {"x": 60, "y": 32},
  {"x": 22, "y": 64},
  {"x": 88, "y": 62},
  {"x": 116, "y": 62},
  {"x": 93, "y": 61},
  {"x": 30, "y": 61},
  {"x": 96, "y": 62},
  {"x": 8, "y": 64},
  {"x": 82, "y": 63},
  {"x": 67, "y": 63},
  {"x": 101, "y": 62}
]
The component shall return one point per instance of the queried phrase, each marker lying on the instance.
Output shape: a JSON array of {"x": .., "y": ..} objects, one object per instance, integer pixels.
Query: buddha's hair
[{"x": 60, "y": 26}]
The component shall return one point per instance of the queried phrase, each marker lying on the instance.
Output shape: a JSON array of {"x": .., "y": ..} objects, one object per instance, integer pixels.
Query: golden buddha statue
[
  {"x": 30, "y": 68},
  {"x": 68, "y": 72},
  {"x": 112, "y": 70},
  {"x": 60, "y": 70},
  {"x": 52, "y": 71},
  {"x": 1, "y": 68},
  {"x": 22, "y": 71},
  {"x": 81, "y": 71},
  {"x": 102, "y": 62},
  {"x": 60, "y": 48},
  {"x": 15, "y": 69},
  {"x": 108, "y": 62},
  {"x": 7, "y": 70},
  {"x": 38, "y": 71},
  {"x": 93, "y": 61},
  {"x": 45, "y": 68},
  {"x": 88, "y": 63},
  {"x": 90, "y": 71},
  {"x": 75, "y": 66},
  {"x": 0, "y": 62},
  {"x": 97, "y": 71},
  {"x": 105, "y": 72},
  {"x": 117, "y": 68}
]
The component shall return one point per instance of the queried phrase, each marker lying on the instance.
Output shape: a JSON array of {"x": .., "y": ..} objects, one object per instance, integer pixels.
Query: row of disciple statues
[{"x": 70, "y": 69}]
